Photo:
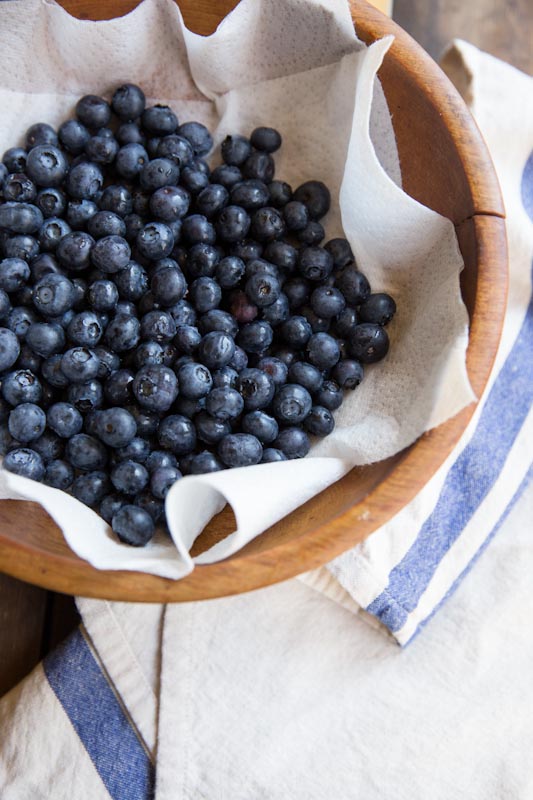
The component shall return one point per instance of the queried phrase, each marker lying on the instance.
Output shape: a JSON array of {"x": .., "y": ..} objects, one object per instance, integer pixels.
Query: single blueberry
[
  {"x": 133, "y": 525},
  {"x": 79, "y": 364},
  {"x": 196, "y": 228},
  {"x": 291, "y": 404},
  {"x": 227, "y": 175},
  {"x": 194, "y": 380},
  {"x": 315, "y": 264},
  {"x": 259, "y": 166},
  {"x": 315, "y": 195},
  {"x": 129, "y": 477},
  {"x": 86, "y": 397},
  {"x": 9, "y": 349},
  {"x": 329, "y": 395},
  {"x": 79, "y": 212},
  {"x": 116, "y": 198},
  {"x": 27, "y": 422},
  {"x": 347, "y": 373},
  {"x": 327, "y": 302},
  {"x": 261, "y": 425},
  {"x": 136, "y": 450},
  {"x": 240, "y": 450},
  {"x": 323, "y": 350},
  {"x": 280, "y": 193},
  {"x": 93, "y": 111},
  {"x": 198, "y": 137},
  {"x": 84, "y": 181},
  {"x": 86, "y": 453},
  {"x": 176, "y": 148},
  {"x": 256, "y": 387},
  {"x": 47, "y": 165},
  {"x": 202, "y": 260},
  {"x": 130, "y": 133},
  {"x": 74, "y": 251},
  {"x": 158, "y": 173},
  {"x": 229, "y": 271},
  {"x": 162, "y": 479},
  {"x": 205, "y": 294},
  {"x": 45, "y": 338},
  {"x": 305, "y": 375},
  {"x": 123, "y": 332},
  {"x": 211, "y": 430},
  {"x": 20, "y": 188},
  {"x": 205, "y": 462},
  {"x": 85, "y": 329},
  {"x": 368, "y": 342},
  {"x": 59, "y": 474},
  {"x": 91, "y": 488},
  {"x": 20, "y": 218},
  {"x": 155, "y": 241},
  {"x": 73, "y": 136},
  {"x": 158, "y": 326},
  {"x": 102, "y": 295},
  {"x": 235, "y": 149},
  {"x": 272, "y": 455},
  {"x": 51, "y": 232},
  {"x": 224, "y": 403},
  {"x": 106, "y": 223},
  {"x": 319, "y": 421},
  {"x": 64, "y": 419},
  {"x": 40, "y": 133},
  {"x": 110, "y": 505},
  {"x": 118, "y": 387},
  {"x": 160, "y": 459},
  {"x": 378, "y": 308},
  {"x": 128, "y": 101},
  {"x": 19, "y": 320},
  {"x": 155, "y": 387},
  {"x": 25, "y": 462},
  {"x": 218, "y": 320},
  {"x": 177, "y": 434},
  {"x": 353, "y": 285},
  {"x": 255, "y": 337}
]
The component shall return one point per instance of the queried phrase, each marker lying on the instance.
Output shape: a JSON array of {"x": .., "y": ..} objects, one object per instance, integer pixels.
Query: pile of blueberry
[{"x": 160, "y": 318}]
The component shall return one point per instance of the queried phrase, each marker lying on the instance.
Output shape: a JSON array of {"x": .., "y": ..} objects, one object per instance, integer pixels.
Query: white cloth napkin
[
  {"x": 299, "y": 66},
  {"x": 281, "y": 693}
]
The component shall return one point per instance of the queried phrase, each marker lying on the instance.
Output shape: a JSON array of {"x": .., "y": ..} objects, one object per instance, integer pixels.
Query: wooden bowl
[{"x": 453, "y": 174}]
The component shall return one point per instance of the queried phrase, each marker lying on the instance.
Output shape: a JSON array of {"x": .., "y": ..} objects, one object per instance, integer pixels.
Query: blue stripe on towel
[
  {"x": 473, "y": 474},
  {"x": 99, "y": 720}
]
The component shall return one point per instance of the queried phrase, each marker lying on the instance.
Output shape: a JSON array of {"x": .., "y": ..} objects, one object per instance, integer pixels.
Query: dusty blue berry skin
[
  {"x": 106, "y": 223},
  {"x": 315, "y": 195},
  {"x": 291, "y": 404},
  {"x": 20, "y": 188},
  {"x": 259, "y": 166},
  {"x": 319, "y": 422},
  {"x": 155, "y": 241},
  {"x": 348, "y": 373},
  {"x": 177, "y": 434},
  {"x": 218, "y": 320},
  {"x": 23, "y": 246},
  {"x": 368, "y": 342},
  {"x": 353, "y": 285},
  {"x": 158, "y": 459},
  {"x": 103, "y": 295},
  {"x": 204, "y": 462},
  {"x": 14, "y": 273},
  {"x": 158, "y": 326},
  {"x": 198, "y": 137},
  {"x": 194, "y": 380},
  {"x": 162, "y": 479},
  {"x": 256, "y": 388},
  {"x": 93, "y": 111},
  {"x": 261, "y": 425},
  {"x": 85, "y": 329},
  {"x": 53, "y": 294},
  {"x": 9, "y": 349},
  {"x": 123, "y": 333},
  {"x": 274, "y": 367},
  {"x": 86, "y": 397},
  {"x": 216, "y": 349},
  {"x": 91, "y": 488},
  {"x": 118, "y": 387},
  {"x": 315, "y": 263},
  {"x": 45, "y": 338},
  {"x": 323, "y": 350},
  {"x": 74, "y": 251},
  {"x": 59, "y": 474},
  {"x": 235, "y": 149},
  {"x": 138, "y": 449},
  {"x": 73, "y": 136},
  {"x": 378, "y": 308},
  {"x": 46, "y": 165},
  {"x": 197, "y": 229},
  {"x": 133, "y": 525},
  {"x": 26, "y": 422},
  {"x": 327, "y": 302},
  {"x": 110, "y": 505},
  {"x": 306, "y": 375},
  {"x": 128, "y": 101},
  {"x": 129, "y": 477},
  {"x": 271, "y": 455},
  {"x": 40, "y": 133},
  {"x": 240, "y": 450},
  {"x": 255, "y": 337},
  {"x": 155, "y": 387},
  {"x": 227, "y": 175},
  {"x": 296, "y": 331},
  {"x": 111, "y": 254},
  {"x": 147, "y": 502},
  {"x": 224, "y": 403},
  {"x": 51, "y": 232},
  {"x": 20, "y": 218},
  {"x": 266, "y": 139},
  {"x": 293, "y": 442},
  {"x": 115, "y": 427},
  {"x": 64, "y": 419},
  {"x": 86, "y": 453},
  {"x": 205, "y": 294},
  {"x": 84, "y": 181},
  {"x": 341, "y": 252},
  {"x": 25, "y": 462},
  {"x": 51, "y": 202},
  {"x": 21, "y": 386},
  {"x": 209, "y": 429},
  {"x": 233, "y": 223}
]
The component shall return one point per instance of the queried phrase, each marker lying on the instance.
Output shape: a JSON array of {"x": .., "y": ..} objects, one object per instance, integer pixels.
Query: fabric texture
[{"x": 283, "y": 693}]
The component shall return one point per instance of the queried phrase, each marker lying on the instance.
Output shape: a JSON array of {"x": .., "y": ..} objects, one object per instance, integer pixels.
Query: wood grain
[{"x": 22, "y": 612}]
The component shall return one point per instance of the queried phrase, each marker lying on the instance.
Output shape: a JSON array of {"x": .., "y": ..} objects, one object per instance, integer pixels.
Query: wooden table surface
[{"x": 32, "y": 620}]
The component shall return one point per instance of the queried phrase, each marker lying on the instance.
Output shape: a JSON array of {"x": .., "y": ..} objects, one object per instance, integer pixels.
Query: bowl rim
[{"x": 416, "y": 465}]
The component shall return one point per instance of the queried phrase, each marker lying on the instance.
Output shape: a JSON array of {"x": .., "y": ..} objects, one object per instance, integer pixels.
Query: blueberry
[
  {"x": 5, "y": 306},
  {"x": 187, "y": 339},
  {"x": 353, "y": 285},
  {"x": 118, "y": 387},
  {"x": 51, "y": 202},
  {"x": 25, "y": 462},
  {"x": 255, "y": 337},
  {"x": 29, "y": 360},
  {"x": 298, "y": 291},
  {"x": 345, "y": 322},
  {"x": 315, "y": 264},
  {"x": 47, "y": 165},
  {"x": 261, "y": 425},
  {"x": 24, "y": 247},
  {"x": 275, "y": 368},
  {"x": 64, "y": 419},
  {"x": 130, "y": 133},
  {"x": 74, "y": 251},
  {"x": 347, "y": 373},
  {"x": 147, "y": 502},
  {"x": 282, "y": 255},
  {"x": 188, "y": 407},
  {"x": 329, "y": 395},
  {"x": 193, "y": 179},
  {"x": 9, "y": 349},
  {"x": 19, "y": 320},
  {"x": 266, "y": 139},
  {"x": 291, "y": 404},
  {"x": 239, "y": 360},
  {"x": 93, "y": 111},
  {"x": 224, "y": 403},
  {"x": 86, "y": 453},
  {"x": 155, "y": 241},
  {"x": 40, "y": 133},
  {"x": 169, "y": 203},
  {"x": 240, "y": 450},
  {"x": 259, "y": 166},
  {"x": 59, "y": 474},
  {"x": 196, "y": 228},
  {"x": 79, "y": 212},
  {"x": 111, "y": 254},
  {"x": 341, "y": 252},
  {"x": 218, "y": 320},
  {"x": 198, "y": 137},
  {"x": 319, "y": 422},
  {"x": 123, "y": 333},
  {"x": 20, "y": 218},
  {"x": 250, "y": 194},
  {"x": 202, "y": 260},
  {"x": 148, "y": 353},
  {"x": 293, "y": 442},
  {"x": 256, "y": 387},
  {"x": 106, "y": 223},
  {"x": 84, "y": 181},
  {"x": 158, "y": 173},
  {"x": 323, "y": 350},
  {"x": 162, "y": 479},
  {"x": 216, "y": 349},
  {"x": 86, "y": 397},
  {"x": 368, "y": 342},
  {"x": 52, "y": 372},
  {"x": 45, "y": 338},
  {"x": 26, "y": 422},
  {"x": 327, "y": 302},
  {"x": 212, "y": 199},
  {"x": 133, "y": 224},
  {"x": 53, "y": 294},
  {"x": 73, "y": 136},
  {"x": 267, "y": 224},
  {"x": 109, "y": 361},
  {"x": 194, "y": 380},
  {"x": 102, "y": 295},
  {"x": 85, "y": 329},
  {"x": 51, "y": 232},
  {"x": 131, "y": 282},
  {"x": 306, "y": 375},
  {"x": 271, "y": 455},
  {"x": 315, "y": 195},
  {"x": 318, "y": 324},
  {"x": 205, "y": 294},
  {"x": 133, "y": 525},
  {"x": 235, "y": 149},
  {"x": 182, "y": 313},
  {"x": 147, "y": 421},
  {"x": 280, "y": 193},
  {"x": 227, "y": 175},
  {"x": 160, "y": 459},
  {"x": 262, "y": 289},
  {"x": 155, "y": 387},
  {"x": 91, "y": 488},
  {"x": 296, "y": 331},
  {"x": 128, "y": 101},
  {"x": 229, "y": 271},
  {"x": 177, "y": 434},
  {"x": 138, "y": 449},
  {"x": 20, "y": 188},
  {"x": 110, "y": 505},
  {"x": 176, "y": 148},
  {"x": 205, "y": 462},
  {"x": 129, "y": 477},
  {"x": 158, "y": 326},
  {"x": 225, "y": 377},
  {"x": 378, "y": 308},
  {"x": 116, "y": 198},
  {"x": 209, "y": 429},
  {"x": 79, "y": 364}
]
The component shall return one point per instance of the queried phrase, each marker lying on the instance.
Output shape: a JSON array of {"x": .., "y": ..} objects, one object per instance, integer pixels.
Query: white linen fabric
[
  {"x": 283, "y": 693},
  {"x": 298, "y": 65}
]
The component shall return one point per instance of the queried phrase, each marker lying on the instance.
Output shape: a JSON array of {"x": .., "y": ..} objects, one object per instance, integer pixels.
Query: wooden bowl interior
[{"x": 450, "y": 172}]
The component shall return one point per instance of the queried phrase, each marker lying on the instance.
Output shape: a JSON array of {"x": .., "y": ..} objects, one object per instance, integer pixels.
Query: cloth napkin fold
[{"x": 280, "y": 693}]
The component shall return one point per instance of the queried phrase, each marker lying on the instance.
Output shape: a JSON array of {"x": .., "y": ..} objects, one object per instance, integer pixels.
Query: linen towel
[{"x": 280, "y": 693}]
